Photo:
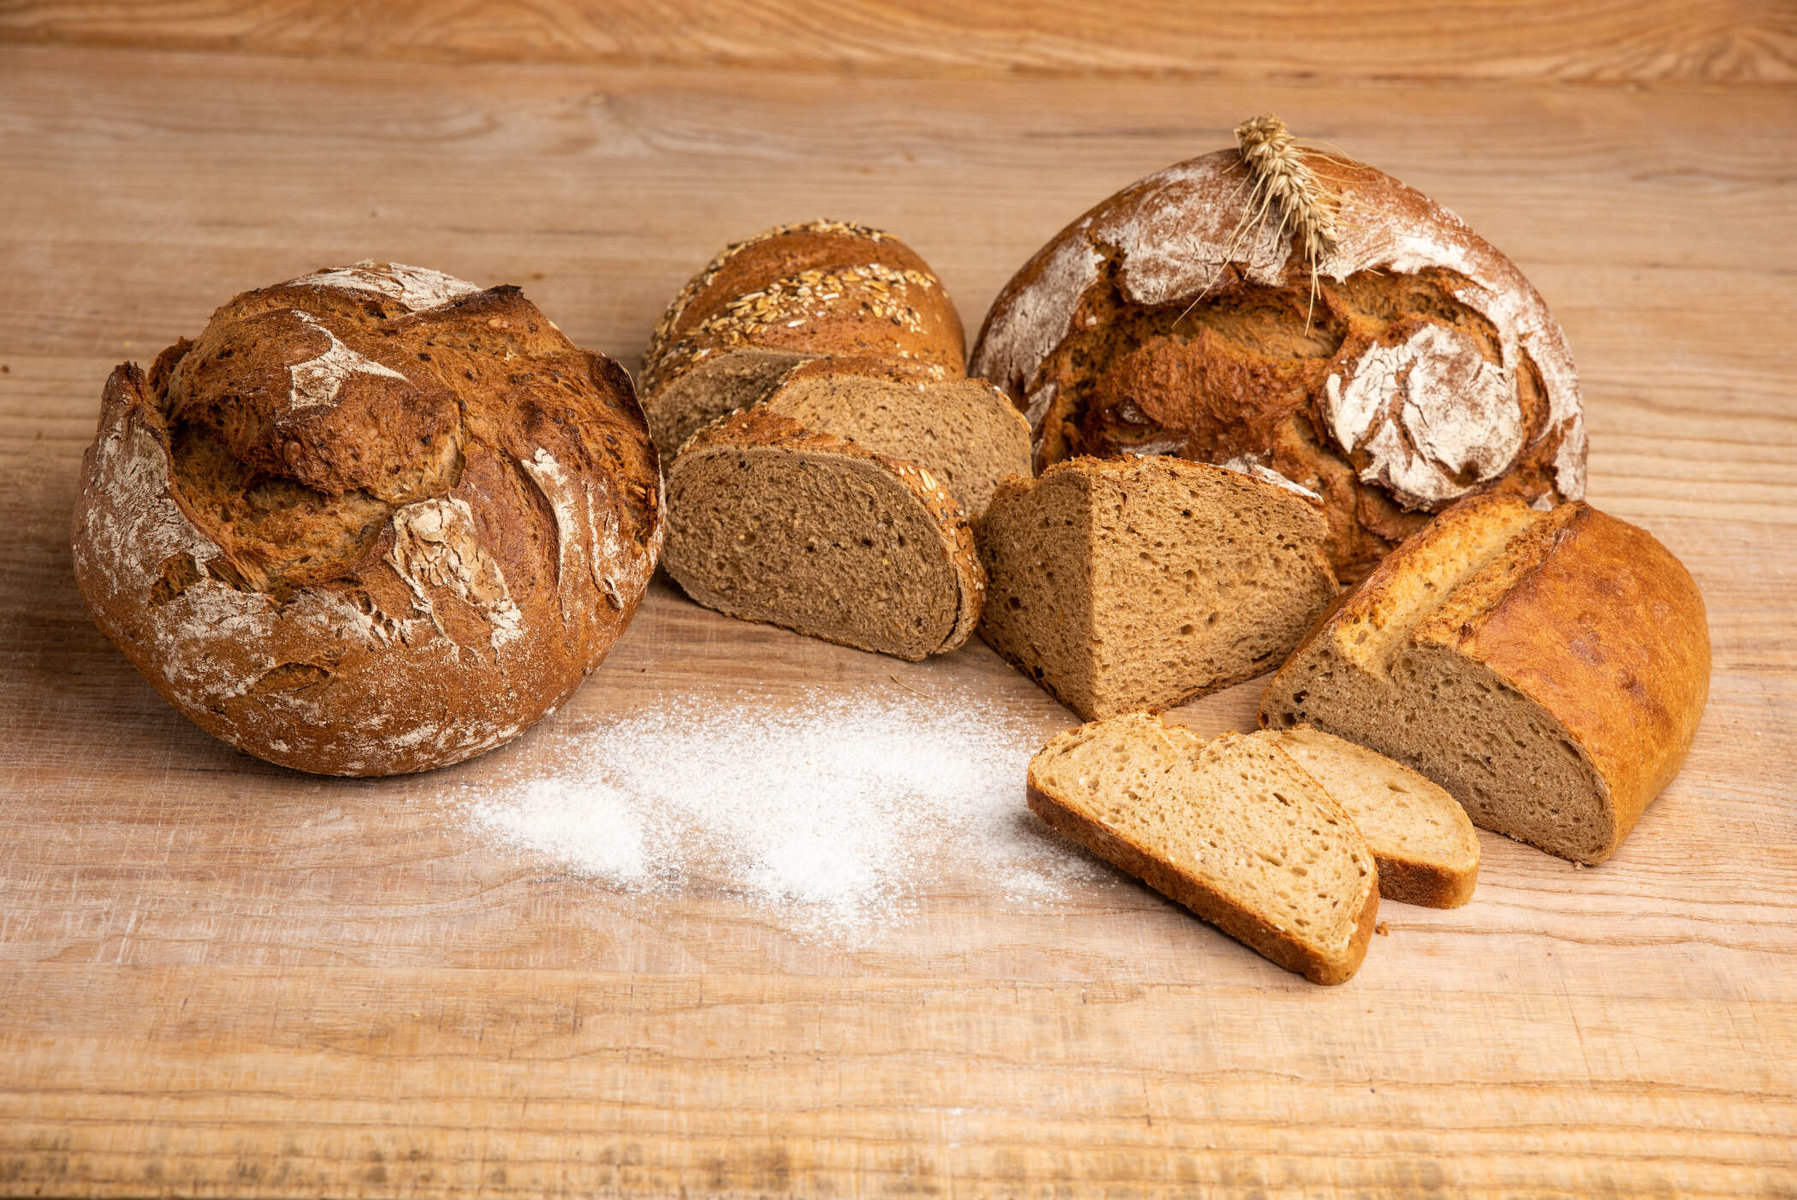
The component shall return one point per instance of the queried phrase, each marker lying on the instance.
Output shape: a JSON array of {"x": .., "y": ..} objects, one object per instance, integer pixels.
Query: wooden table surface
[{"x": 221, "y": 979}]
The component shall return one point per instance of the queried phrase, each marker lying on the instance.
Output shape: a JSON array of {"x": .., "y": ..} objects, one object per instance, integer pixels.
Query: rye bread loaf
[
  {"x": 1232, "y": 828},
  {"x": 1132, "y": 583},
  {"x": 1548, "y": 669},
  {"x": 783, "y": 297},
  {"x": 373, "y": 520},
  {"x": 963, "y": 431},
  {"x": 1179, "y": 316},
  {"x": 769, "y": 521},
  {"x": 1427, "y": 850}
]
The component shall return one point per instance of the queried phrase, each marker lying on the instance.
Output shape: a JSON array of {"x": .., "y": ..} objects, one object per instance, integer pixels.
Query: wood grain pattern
[
  {"x": 221, "y": 979},
  {"x": 1718, "y": 41}
]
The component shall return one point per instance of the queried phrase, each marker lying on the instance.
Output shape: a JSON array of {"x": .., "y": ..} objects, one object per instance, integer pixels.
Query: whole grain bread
[
  {"x": 1417, "y": 366},
  {"x": 374, "y": 520},
  {"x": 769, "y": 521},
  {"x": 1427, "y": 850},
  {"x": 1232, "y": 828},
  {"x": 1131, "y": 583},
  {"x": 786, "y": 296},
  {"x": 1548, "y": 669}
]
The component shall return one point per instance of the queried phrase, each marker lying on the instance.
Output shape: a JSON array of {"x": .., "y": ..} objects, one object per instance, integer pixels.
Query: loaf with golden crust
[
  {"x": 1416, "y": 366},
  {"x": 374, "y": 520},
  {"x": 1548, "y": 669}
]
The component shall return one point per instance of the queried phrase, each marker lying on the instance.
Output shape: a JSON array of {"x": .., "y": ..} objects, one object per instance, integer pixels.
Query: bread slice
[
  {"x": 769, "y": 521},
  {"x": 1232, "y": 828},
  {"x": 1133, "y": 583},
  {"x": 1547, "y": 668},
  {"x": 963, "y": 431},
  {"x": 1423, "y": 840}
]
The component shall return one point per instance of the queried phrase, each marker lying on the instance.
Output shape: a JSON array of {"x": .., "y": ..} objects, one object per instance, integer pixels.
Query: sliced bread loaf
[
  {"x": 769, "y": 521},
  {"x": 1233, "y": 829},
  {"x": 1140, "y": 582},
  {"x": 1427, "y": 850},
  {"x": 1547, "y": 668},
  {"x": 963, "y": 431}
]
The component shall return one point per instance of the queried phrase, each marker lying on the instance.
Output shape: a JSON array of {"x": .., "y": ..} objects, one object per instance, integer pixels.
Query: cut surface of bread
[
  {"x": 964, "y": 431},
  {"x": 772, "y": 522},
  {"x": 1233, "y": 829},
  {"x": 1547, "y": 668},
  {"x": 1427, "y": 850},
  {"x": 1133, "y": 583},
  {"x": 722, "y": 383}
]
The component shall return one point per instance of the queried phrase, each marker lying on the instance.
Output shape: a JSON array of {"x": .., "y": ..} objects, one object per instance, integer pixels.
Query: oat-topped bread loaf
[
  {"x": 1233, "y": 829},
  {"x": 783, "y": 297},
  {"x": 769, "y": 521},
  {"x": 1427, "y": 850},
  {"x": 963, "y": 431},
  {"x": 1302, "y": 312},
  {"x": 1547, "y": 668},
  {"x": 373, "y": 520},
  {"x": 1131, "y": 583}
]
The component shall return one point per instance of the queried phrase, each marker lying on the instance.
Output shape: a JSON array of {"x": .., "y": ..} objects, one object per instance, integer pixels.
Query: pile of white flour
[{"x": 838, "y": 814}]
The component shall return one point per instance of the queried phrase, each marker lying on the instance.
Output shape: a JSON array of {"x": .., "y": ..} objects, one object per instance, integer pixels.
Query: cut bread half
[
  {"x": 1427, "y": 850},
  {"x": 963, "y": 431},
  {"x": 769, "y": 521},
  {"x": 1233, "y": 829},
  {"x": 1134, "y": 583},
  {"x": 726, "y": 381}
]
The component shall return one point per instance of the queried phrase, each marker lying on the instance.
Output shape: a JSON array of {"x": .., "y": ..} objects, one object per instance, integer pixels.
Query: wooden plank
[{"x": 1721, "y": 41}]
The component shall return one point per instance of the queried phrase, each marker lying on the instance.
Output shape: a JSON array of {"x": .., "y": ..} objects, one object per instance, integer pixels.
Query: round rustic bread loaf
[
  {"x": 787, "y": 295},
  {"x": 374, "y": 520},
  {"x": 1182, "y": 316}
]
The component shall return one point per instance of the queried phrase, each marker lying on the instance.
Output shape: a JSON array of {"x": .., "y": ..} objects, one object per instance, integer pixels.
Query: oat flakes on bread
[
  {"x": 1304, "y": 312},
  {"x": 769, "y": 521},
  {"x": 1232, "y": 828},
  {"x": 373, "y": 520},
  {"x": 1130, "y": 583},
  {"x": 786, "y": 296},
  {"x": 1549, "y": 669}
]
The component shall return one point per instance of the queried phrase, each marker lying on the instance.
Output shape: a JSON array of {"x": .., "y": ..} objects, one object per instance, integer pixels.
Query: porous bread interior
[
  {"x": 710, "y": 388},
  {"x": 1233, "y": 814},
  {"x": 825, "y": 544},
  {"x": 1407, "y": 820},
  {"x": 1509, "y": 762},
  {"x": 962, "y": 431}
]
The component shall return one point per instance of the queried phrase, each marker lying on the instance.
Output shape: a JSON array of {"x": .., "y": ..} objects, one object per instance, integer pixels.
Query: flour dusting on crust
[
  {"x": 436, "y": 545},
  {"x": 418, "y": 288},
  {"x": 316, "y": 382}
]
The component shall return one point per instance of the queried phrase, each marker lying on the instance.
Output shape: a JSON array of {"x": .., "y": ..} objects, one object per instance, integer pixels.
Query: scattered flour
[{"x": 836, "y": 816}]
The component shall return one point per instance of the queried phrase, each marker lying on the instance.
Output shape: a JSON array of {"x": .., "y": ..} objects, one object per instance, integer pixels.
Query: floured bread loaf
[
  {"x": 1547, "y": 668},
  {"x": 785, "y": 296},
  {"x": 1426, "y": 848},
  {"x": 963, "y": 431},
  {"x": 1182, "y": 316},
  {"x": 374, "y": 520},
  {"x": 769, "y": 521},
  {"x": 1132, "y": 583},
  {"x": 1233, "y": 829}
]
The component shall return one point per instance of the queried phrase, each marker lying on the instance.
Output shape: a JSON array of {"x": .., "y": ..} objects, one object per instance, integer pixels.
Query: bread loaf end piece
[{"x": 1232, "y": 829}]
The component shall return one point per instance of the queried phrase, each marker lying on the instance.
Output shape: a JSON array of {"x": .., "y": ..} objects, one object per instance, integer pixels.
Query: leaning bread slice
[
  {"x": 1427, "y": 850},
  {"x": 963, "y": 431},
  {"x": 1136, "y": 583},
  {"x": 769, "y": 521},
  {"x": 1547, "y": 668},
  {"x": 1232, "y": 828}
]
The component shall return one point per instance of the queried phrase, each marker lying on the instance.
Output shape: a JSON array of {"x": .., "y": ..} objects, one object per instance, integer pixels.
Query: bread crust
[{"x": 495, "y": 568}]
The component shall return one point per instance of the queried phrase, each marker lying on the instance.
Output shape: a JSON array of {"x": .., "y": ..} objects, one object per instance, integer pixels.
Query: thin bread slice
[
  {"x": 963, "y": 431},
  {"x": 769, "y": 521},
  {"x": 1134, "y": 583},
  {"x": 1427, "y": 850},
  {"x": 1233, "y": 829}
]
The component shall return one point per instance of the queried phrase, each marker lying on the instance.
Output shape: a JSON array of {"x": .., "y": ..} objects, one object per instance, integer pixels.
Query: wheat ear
[{"x": 1280, "y": 178}]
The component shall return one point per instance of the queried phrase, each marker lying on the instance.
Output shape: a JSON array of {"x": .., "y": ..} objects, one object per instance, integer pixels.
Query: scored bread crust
[
  {"x": 1587, "y": 616},
  {"x": 502, "y": 563},
  {"x": 1254, "y": 931},
  {"x": 752, "y": 428}
]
